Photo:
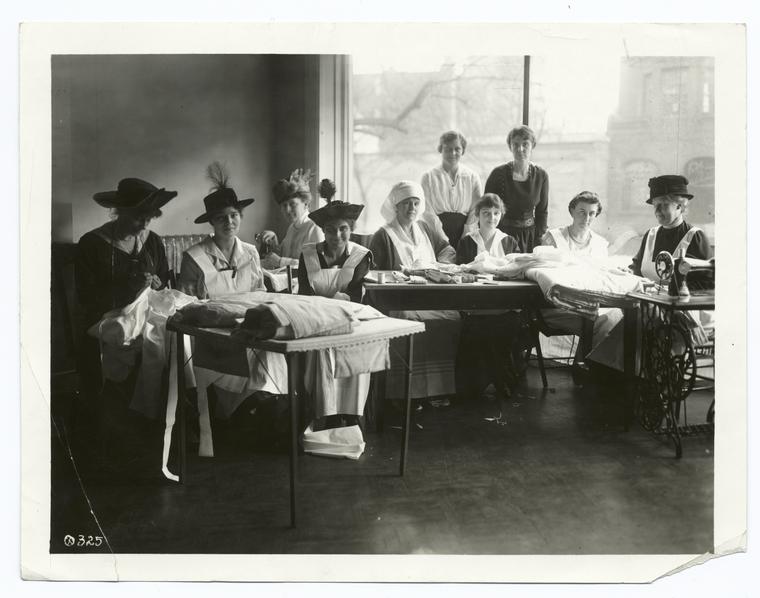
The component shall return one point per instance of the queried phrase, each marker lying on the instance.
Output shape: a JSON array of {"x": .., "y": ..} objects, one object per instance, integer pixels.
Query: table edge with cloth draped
[{"x": 365, "y": 332}]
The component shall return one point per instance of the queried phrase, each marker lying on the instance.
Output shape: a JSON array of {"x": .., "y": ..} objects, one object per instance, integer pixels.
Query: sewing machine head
[{"x": 675, "y": 271}]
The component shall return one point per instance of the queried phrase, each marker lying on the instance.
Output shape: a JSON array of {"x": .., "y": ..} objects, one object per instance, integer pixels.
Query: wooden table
[
  {"x": 367, "y": 331},
  {"x": 668, "y": 364},
  {"x": 510, "y": 294}
]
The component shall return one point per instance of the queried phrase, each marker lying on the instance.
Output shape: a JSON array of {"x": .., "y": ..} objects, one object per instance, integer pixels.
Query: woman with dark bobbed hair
[
  {"x": 524, "y": 188},
  {"x": 578, "y": 237}
]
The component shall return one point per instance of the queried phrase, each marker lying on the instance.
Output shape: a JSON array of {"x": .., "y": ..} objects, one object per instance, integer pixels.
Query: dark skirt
[
  {"x": 486, "y": 353},
  {"x": 526, "y": 236},
  {"x": 453, "y": 226}
]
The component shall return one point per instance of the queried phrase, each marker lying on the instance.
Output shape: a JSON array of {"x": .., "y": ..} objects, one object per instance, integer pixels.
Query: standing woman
[
  {"x": 222, "y": 265},
  {"x": 334, "y": 268},
  {"x": 524, "y": 189},
  {"x": 293, "y": 196},
  {"x": 116, "y": 261},
  {"x": 451, "y": 189}
]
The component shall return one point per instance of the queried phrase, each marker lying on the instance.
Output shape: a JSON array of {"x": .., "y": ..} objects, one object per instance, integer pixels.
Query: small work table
[
  {"x": 367, "y": 331},
  {"x": 669, "y": 364}
]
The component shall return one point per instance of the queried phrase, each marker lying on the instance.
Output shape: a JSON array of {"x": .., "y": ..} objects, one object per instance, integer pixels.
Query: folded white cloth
[{"x": 343, "y": 443}]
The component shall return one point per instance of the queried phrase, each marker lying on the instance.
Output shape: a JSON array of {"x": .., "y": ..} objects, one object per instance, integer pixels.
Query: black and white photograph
[{"x": 402, "y": 290}]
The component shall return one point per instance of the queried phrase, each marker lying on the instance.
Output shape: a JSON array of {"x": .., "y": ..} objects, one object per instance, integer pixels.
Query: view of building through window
[{"x": 603, "y": 123}]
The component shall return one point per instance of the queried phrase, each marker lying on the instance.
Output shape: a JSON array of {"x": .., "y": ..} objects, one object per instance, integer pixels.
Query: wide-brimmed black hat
[
  {"x": 668, "y": 184},
  {"x": 135, "y": 194},
  {"x": 220, "y": 199},
  {"x": 336, "y": 210}
]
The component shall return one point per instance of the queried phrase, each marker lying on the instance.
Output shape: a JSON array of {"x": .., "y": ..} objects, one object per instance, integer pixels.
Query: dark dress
[
  {"x": 467, "y": 249},
  {"x": 354, "y": 289},
  {"x": 488, "y": 342},
  {"x": 104, "y": 281},
  {"x": 526, "y": 203}
]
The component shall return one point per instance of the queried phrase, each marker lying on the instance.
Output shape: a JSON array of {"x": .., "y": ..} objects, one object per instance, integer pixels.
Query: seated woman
[
  {"x": 489, "y": 338},
  {"x": 451, "y": 189},
  {"x": 116, "y": 261},
  {"x": 488, "y": 212},
  {"x": 222, "y": 265},
  {"x": 293, "y": 197},
  {"x": 669, "y": 195},
  {"x": 335, "y": 268},
  {"x": 406, "y": 242},
  {"x": 579, "y": 239}
]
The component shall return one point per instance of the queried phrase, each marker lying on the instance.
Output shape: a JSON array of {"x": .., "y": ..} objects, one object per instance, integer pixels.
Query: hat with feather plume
[
  {"x": 222, "y": 196},
  {"x": 334, "y": 210}
]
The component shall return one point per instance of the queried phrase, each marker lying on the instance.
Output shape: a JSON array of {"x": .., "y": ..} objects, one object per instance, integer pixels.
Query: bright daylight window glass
[{"x": 604, "y": 123}]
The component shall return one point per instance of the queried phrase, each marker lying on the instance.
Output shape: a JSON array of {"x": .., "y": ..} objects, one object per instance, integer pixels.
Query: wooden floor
[{"x": 561, "y": 476}]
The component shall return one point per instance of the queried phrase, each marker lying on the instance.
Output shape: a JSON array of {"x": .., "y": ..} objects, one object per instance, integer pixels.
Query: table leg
[
  {"x": 181, "y": 405},
  {"x": 408, "y": 397},
  {"x": 292, "y": 365},
  {"x": 630, "y": 317}
]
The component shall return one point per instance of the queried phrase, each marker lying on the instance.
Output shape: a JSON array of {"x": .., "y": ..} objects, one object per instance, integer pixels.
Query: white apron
[
  {"x": 267, "y": 371},
  {"x": 435, "y": 350},
  {"x": 333, "y": 396}
]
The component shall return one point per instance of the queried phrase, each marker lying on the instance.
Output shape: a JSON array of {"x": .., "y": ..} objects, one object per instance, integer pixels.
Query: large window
[
  {"x": 604, "y": 123},
  {"x": 401, "y": 109}
]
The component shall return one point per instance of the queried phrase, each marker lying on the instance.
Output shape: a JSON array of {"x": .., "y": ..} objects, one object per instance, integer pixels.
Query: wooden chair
[{"x": 539, "y": 326}]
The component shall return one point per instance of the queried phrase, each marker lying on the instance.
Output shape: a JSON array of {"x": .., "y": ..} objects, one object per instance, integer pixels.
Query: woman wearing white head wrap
[{"x": 408, "y": 241}]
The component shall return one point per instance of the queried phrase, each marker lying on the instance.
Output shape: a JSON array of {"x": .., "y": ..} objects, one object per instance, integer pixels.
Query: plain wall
[{"x": 164, "y": 119}]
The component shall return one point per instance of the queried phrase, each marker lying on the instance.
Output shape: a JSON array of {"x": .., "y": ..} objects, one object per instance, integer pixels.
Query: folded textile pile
[
  {"x": 263, "y": 315},
  {"x": 577, "y": 283},
  {"x": 438, "y": 275}
]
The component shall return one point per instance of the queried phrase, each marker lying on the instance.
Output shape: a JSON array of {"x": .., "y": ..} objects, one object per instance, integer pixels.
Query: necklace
[{"x": 577, "y": 241}]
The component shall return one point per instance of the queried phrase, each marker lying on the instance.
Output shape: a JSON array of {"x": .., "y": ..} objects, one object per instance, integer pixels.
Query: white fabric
[
  {"x": 345, "y": 443},
  {"x": 399, "y": 192},
  {"x": 414, "y": 251},
  {"x": 446, "y": 195},
  {"x": 596, "y": 246},
  {"x": 647, "y": 263}
]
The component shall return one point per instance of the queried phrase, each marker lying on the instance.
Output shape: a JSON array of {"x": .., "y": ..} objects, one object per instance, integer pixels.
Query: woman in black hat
[
  {"x": 115, "y": 262},
  {"x": 120, "y": 258},
  {"x": 221, "y": 264},
  {"x": 334, "y": 268},
  {"x": 669, "y": 194}
]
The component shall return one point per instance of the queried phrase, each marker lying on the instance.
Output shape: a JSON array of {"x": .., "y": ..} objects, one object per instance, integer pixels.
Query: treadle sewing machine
[{"x": 671, "y": 349}]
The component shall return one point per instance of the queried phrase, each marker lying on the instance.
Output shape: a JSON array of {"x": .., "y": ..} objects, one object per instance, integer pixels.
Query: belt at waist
[{"x": 526, "y": 223}]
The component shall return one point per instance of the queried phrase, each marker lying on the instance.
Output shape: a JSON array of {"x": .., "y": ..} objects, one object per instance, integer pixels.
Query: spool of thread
[{"x": 381, "y": 278}]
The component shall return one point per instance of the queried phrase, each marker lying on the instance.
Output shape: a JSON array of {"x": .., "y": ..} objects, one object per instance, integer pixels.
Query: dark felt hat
[
  {"x": 220, "y": 199},
  {"x": 336, "y": 210},
  {"x": 668, "y": 184},
  {"x": 135, "y": 194}
]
